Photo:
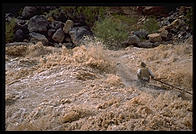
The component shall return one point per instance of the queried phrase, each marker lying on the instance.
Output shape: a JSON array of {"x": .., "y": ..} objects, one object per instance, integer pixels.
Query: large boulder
[
  {"x": 19, "y": 35},
  {"x": 38, "y": 23},
  {"x": 29, "y": 11},
  {"x": 77, "y": 33},
  {"x": 35, "y": 37},
  {"x": 58, "y": 36}
]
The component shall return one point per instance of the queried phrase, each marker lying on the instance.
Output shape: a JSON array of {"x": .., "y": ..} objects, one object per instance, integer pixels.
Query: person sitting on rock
[{"x": 144, "y": 74}]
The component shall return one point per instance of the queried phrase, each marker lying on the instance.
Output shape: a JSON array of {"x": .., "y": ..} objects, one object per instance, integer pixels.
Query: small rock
[
  {"x": 58, "y": 45},
  {"x": 141, "y": 33},
  {"x": 146, "y": 44},
  {"x": 68, "y": 45},
  {"x": 68, "y": 25},
  {"x": 58, "y": 36},
  {"x": 19, "y": 35},
  {"x": 155, "y": 37}
]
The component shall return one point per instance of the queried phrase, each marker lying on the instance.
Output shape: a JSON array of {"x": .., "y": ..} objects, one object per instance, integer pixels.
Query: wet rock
[
  {"x": 155, "y": 37},
  {"x": 29, "y": 11},
  {"x": 19, "y": 35},
  {"x": 77, "y": 33},
  {"x": 35, "y": 37},
  {"x": 68, "y": 25},
  {"x": 69, "y": 45},
  {"x": 38, "y": 23},
  {"x": 56, "y": 24},
  {"x": 58, "y": 36},
  {"x": 141, "y": 33},
  {"x": 146, "y": 44},
  {"x": 58, "y": 45}
]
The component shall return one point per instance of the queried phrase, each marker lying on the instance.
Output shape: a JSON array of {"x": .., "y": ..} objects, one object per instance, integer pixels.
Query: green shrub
[
  {"x": 9, "y": 30},
  {"x": 90, "y": 13},
  {"x": 112, "y": 32},
  {"x": 52, "y": 13},
  {"x": 151, "y": 25},
  {"x": 129, "y": 20}
]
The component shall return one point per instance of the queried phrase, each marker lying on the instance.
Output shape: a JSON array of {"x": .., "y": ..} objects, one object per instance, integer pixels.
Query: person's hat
[{"x": 143, "y": 64}]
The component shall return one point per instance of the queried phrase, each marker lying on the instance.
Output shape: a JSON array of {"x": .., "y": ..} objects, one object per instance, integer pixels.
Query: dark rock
[
  {"x": 77, "y": 33},
  {"x": 58, "y": 36},
  {"x": 29, "y": 11},
  {"x": 38, "y": 23},
  {"x": 35, "y": 37},
  {"x": 69, "y": 45},
  {"x": 47, "y": 8},
  {"x": 19, "y": 35},
  {"x": 60, "y": 16},
  {"x": 67, "y": 39},
  {"x": 141, "y": 33},
  {"x": 146, "y": 44},
  {"x": 133, "y": 39},
  {"x": 56, "y": 24},
  {"x": 23, "y": 25},
  {"x": 58, "y": 45},
  {"x": 153, "y": 10},
  {"x": 51, "y": 32}
]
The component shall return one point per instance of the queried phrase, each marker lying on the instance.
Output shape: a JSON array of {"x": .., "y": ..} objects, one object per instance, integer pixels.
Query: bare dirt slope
[{"x": 85, "y": 89}]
